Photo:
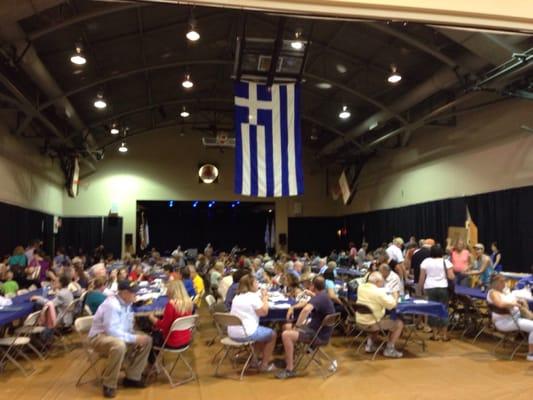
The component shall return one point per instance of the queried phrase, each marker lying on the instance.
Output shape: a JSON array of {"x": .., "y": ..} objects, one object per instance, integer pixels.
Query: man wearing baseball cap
[{"x": 113, "y": 337}]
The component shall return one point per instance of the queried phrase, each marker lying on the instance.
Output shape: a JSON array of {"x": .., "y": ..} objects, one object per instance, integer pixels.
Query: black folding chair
[
  {"x": 516, "y": 337},
  {"x": 313, "y": 347}
]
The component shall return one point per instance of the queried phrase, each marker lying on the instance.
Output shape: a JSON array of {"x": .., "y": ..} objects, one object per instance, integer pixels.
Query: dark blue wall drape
[{"x": 505, "y": 217}]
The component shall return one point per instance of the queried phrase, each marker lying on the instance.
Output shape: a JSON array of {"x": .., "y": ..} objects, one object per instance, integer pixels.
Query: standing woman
[
  {"x": 17, "y": 263},
  {"x": 434, "y": 274},
  {"x": 496, "y": 258},
  {"x": 179, "y": 305},
  {"x": 249, "y": 305},
  {"x": 461, "y": 260},
  {"x": 482, "y": 266}
]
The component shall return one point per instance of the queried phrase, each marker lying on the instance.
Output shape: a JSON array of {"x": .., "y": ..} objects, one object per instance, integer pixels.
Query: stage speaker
[{"x": 282, "y": 239}]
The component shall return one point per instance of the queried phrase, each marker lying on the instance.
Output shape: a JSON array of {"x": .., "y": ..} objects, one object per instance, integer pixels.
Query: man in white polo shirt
[{"x": 395, "y": 253}]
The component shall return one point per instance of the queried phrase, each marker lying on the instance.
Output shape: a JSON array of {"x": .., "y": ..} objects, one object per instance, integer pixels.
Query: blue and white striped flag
[{"x": 268, "y": 156}]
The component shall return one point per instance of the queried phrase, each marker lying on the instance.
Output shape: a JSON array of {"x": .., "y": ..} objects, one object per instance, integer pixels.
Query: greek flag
[{"x": 268, "y": 156}]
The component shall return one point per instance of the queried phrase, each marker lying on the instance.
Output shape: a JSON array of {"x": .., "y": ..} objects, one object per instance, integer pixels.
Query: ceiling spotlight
[
  {"x": 187, "y": 83},
  {"x": 100, "y": 102},
  {"x": 123, "y": 148},
  {"x": 345, "y": 113},
  {"x": 297, "y": 44},
  {"x": 184, "y": 113},
  {"x": 192, "y": 34},
  {"x": 114, "y": 129},
  {"x": 394, "y": 77},
  {"x": 78, "y": 58},
  {"x": 324, "y": 85}
]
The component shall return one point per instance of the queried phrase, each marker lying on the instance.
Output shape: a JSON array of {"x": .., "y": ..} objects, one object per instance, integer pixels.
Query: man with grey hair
[
  {"x": 296, "y": 269},
  {"x": 392, "y": 281},
  {"x": 396, "y": 255},
  {"x": 372, "y": 295}
]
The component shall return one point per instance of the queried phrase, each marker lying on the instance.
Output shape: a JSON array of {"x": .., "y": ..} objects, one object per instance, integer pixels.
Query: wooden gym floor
[{"x": 453, "y": 370}]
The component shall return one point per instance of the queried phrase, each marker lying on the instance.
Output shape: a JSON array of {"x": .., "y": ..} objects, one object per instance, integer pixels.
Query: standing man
[
  {"x": 395, "y": 254},
  {"x": 112, "y": 336}
]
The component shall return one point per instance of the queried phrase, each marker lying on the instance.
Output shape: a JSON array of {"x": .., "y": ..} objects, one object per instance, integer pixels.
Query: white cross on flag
[{"x": 268, "y": 161}]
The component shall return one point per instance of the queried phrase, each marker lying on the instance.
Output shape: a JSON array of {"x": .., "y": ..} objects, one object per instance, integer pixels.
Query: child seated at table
[{"x": 10, "y": 287}]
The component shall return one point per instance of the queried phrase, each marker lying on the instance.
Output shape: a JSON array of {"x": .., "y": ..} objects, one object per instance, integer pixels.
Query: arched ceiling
[{"x": 137, "y": 55}]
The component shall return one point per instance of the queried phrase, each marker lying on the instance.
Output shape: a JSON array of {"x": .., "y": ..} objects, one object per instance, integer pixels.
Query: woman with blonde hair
[{"x": 179, "y": 305}]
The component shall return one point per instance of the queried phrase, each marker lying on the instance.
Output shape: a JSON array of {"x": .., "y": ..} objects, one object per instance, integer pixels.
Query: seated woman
[
  {"x": 248, "y": 305},
  {"x": 62, "y": 299},
  {"x": 96, "y": 295},
  {"x": 512, "y": 320},
  {"x": 179, "y": 305},
  {"x": 329, "y": 276},
  {"x": 292, "y": 286}
]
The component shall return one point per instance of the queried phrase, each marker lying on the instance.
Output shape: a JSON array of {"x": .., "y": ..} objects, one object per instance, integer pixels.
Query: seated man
[
  {"x": 319, "y": 307},
  {"x": 112, "y": 336},
  {"x": 392, "y": 282},
  {"x": 372, "y": 295}
]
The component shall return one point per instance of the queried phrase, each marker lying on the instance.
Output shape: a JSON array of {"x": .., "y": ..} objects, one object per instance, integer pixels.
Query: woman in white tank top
[{"x": 511, "y": 321}]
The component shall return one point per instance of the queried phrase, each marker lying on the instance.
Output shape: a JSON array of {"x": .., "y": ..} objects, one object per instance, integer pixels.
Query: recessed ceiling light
[
  {"x": 187, "y": 83},
  {"x": 324, "y": 85},
  {"x": 100, "y": 102},
  {"x": 394, "y": 77},
  {"x": 373, "y": 126},
  {"x": 123, "y": 148},
  {"x": 78, "y": 58},
  {"x": 345, "y": 113}
]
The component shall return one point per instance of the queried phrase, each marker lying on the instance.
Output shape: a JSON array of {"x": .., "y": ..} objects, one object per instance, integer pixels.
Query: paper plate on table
[{"x": 420, "y": 301}]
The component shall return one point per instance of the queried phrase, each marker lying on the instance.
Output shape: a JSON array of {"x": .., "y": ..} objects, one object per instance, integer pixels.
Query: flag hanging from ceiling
[{"x": 268, "y": 156}]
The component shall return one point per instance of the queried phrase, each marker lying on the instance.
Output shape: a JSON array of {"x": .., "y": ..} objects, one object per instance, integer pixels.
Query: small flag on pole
[{"x": 268, "y": 156}]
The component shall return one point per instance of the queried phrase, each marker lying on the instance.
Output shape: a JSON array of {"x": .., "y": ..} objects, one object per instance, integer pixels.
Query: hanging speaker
[{"x": 282, "y": 239}]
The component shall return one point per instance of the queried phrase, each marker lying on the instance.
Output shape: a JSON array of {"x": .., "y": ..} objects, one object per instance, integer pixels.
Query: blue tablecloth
[
  {"x": 522, "y": 283},
  {"x": 21, "y": 308},
  {"x": 475, "y": 293},
  {"x": 278, "y": 314},
  {"x": 156, "y": 305},
  {"x": 429, "y": 308},
  {"x": 352, "y": 273}
]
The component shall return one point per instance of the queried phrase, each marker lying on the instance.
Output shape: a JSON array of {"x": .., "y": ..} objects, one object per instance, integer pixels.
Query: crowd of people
[{"x": 239, "y": 284}]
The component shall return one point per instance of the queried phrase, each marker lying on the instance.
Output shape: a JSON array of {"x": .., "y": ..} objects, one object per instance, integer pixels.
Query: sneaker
[
  {"x": 392, "y": 353},
  {"x": 269, "y": 368},
  {"x": 370, "y": 348},
  {"x": 285, "y": 374},
  {"x": 529, "y": 357}
]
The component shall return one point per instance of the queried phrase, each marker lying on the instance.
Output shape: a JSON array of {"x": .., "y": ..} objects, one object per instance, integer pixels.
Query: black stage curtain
[
  {"x": 221, "y": 225},
  {"x": 80, "y": 233},
  {"x": 20, "y": 226},
  {"x": 315, "y": 234},
  {"x": 504, "y": 216},
  {"x": 112, "y": 235}
]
